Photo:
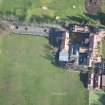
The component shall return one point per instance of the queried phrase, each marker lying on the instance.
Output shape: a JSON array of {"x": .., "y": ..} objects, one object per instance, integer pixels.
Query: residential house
[{"x": 79, "y": 46}]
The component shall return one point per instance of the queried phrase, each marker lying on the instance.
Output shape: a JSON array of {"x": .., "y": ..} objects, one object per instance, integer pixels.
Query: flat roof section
[{"x": 63, "y": 56}]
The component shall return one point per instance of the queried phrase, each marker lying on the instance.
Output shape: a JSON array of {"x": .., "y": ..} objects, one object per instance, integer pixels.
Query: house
[
  {"x": 84, "y": 48},
  {"x": 79, "y": 46}
]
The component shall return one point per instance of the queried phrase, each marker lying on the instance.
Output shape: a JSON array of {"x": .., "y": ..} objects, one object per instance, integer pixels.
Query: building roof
[
  {"x": 81, "y": 29},
  {"x": 64, "y": 48},
  {"x": 83, "y": 50},
  {"x": 65, "y": 41},
  {"x": 100, "y": 67},
  {"x": 103, "y": 80},
  {"x": 63, "y": 56}
]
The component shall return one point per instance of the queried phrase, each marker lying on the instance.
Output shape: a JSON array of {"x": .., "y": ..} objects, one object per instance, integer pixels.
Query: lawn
[
  {"x": 27, "y": 76},
  {"x": 96, "y": 97},
  {"x": 60, "y": 8}
]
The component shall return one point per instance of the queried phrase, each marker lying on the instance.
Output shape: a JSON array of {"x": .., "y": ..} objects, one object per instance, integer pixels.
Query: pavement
[{"x": 31, "y": 29}]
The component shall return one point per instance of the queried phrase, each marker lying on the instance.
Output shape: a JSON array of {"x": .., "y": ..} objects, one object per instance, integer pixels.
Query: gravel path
[{"x": 36, "y": 29}]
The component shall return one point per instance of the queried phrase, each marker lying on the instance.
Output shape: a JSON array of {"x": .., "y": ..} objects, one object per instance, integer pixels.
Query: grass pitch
[
  {"x": 30, "y": 8},
  {"x": 27, "y": 76}
]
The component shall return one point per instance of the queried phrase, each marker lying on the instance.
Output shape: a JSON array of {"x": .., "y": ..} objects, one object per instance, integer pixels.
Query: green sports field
[
  {"x": 61, "y": 8},
  {"x": 30, "y": 8},
  {"x": 27, "y": 76}
]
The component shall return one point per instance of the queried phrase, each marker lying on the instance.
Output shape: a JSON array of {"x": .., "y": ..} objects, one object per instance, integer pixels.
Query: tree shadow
[
  {"x": 47, "y": 52},
  {"x": 93, "y": 21},
  {"x": 52, "y": 56},
  {"x": 102, "y": 99},
  {"x": 99, "y": 16},
  {"x": 78, "y": 19},
  {"x": 84, "y": 78},
  {"x": 55, "y": 37},
  {"x": 41, "y": 19},
  {"x": 2, "y": 27}
]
